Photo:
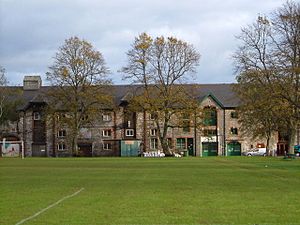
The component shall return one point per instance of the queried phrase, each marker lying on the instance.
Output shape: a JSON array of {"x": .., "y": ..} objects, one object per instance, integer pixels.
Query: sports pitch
[{"x": 212, "y": 190}]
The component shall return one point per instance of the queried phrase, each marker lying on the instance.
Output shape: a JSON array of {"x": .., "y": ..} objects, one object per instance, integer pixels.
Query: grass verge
[{"x": 212, "y": 190}]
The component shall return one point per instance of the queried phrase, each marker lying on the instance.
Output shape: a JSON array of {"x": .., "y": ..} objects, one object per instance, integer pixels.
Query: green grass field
[{"x": 212, "y": 190}]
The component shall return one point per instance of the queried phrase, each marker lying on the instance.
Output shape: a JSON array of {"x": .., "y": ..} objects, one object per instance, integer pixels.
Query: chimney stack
[{"x": 32, "y": 83}]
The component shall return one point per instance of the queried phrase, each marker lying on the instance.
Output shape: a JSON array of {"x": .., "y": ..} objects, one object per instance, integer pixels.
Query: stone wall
[
  {"x": 247, "y": 142},
  {"x": 94, "y": 134}
]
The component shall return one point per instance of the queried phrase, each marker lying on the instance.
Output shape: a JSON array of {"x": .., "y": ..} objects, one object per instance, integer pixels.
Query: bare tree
[
  {"x": 3, "y": 90},
  {"x": 161, "y": 64},
  {"x": 9, "y": 101},
  {"x": 269, "y": 56},
  {"x": 79, "y": 75}
]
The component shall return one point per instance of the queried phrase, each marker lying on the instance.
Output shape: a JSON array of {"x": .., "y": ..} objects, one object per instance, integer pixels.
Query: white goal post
[{"x": 12, "y": 148}]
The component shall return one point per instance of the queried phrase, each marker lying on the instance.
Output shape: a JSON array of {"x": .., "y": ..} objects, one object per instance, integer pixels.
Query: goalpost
[{"x": 12, "y": 148}]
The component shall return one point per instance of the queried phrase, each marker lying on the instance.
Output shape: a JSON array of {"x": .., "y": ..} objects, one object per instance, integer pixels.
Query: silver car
[{"x": 256, "y": 152}]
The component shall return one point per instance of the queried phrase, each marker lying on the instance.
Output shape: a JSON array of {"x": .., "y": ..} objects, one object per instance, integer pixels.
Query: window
[
  {"x": 107, "y": 146},
  {"x": 210, "y": 116},
  {"x": 61, "y": 146},
  {"x": 234, "y": 115},
  {"x": 106, "y": 117},
  {"x": 186, "y": 126},
  {"x": 61, "y": 133},
  {"x": 180, "y": 143},
  {"x": 209, "y": 133},
  {"x": 153, "y": 143},
  {"x": 36, "y": 116},
  {"x": 129, "y": 132},
  {"x": 234, "y": 130},
  {"x": 153, "y": 132},
  {"x": 186, "y": 122},
  {"x": 106, "y": 133}
]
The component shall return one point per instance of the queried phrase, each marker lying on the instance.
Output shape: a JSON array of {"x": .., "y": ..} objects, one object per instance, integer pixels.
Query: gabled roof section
[
  {"x": 210, "y": 95},
  {"x": 222, "y": 94}
]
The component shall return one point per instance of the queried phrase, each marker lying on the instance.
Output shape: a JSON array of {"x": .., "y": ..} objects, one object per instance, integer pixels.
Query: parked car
[
  {"x": 256, "y": 152},
  {"x": 297, "y": 150}
]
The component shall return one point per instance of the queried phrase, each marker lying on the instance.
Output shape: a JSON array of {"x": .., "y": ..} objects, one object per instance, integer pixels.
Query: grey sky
[{"x": 32, "y": 30}]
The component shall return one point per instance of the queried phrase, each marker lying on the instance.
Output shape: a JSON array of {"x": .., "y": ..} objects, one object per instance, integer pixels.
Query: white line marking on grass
[{"x": 50, "y": 206}]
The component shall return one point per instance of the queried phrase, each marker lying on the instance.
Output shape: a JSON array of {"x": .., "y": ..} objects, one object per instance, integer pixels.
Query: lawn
[{"x": 211, "y": 190}]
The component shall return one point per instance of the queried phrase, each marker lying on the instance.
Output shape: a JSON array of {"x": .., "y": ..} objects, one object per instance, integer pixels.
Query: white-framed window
[
  {"x": 61, "y": 133},
  {"x": 153, "y": 132},
  {"x": 129, "y": 132},
  {"x": 106, "y": 133},
  {"x": 107, "y": 146},
  {"x": 106, "y": 117},
  {"x": 36, "y": 116},
  {"x": 153, "y": 143},
  {"x": 61, "y": 146}
]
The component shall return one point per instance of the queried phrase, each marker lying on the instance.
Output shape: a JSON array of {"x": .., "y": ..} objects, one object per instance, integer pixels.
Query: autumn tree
[
  {"x": 259, "y": 116},
  {"x": 79, "y": 77},
  {"x": 161, "y": 65},
  {"x": 269, "y": 56}
]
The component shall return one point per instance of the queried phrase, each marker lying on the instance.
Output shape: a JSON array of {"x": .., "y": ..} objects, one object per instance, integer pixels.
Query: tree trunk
[
  {"x": 163, "y": 135},
  {"x": 268, "y": 145},
  {"x": 74, "y": 150},
  {"x": 165, "y": 147},
  {"x": 292, "y": 139}
]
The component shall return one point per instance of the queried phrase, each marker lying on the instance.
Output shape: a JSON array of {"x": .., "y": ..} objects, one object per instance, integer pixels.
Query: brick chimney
[{"x": 32, "y": 83}]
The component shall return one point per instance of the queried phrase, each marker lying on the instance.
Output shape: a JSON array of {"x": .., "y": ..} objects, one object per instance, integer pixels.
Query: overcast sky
[{"x": 32, "y": 30}]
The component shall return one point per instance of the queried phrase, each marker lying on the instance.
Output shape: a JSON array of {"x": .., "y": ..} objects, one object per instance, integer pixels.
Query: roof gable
[{"x": 210, "y": 95}]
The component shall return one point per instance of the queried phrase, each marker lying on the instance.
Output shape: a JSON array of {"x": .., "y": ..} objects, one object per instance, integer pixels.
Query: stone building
[{"x": 122, "y": 133}]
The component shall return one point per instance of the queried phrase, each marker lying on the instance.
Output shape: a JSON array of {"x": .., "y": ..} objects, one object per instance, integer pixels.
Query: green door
[
  {"x": 130, "y": 148},
  {"x": 209, "y": 148},
  {"x": 233, "y": 149}
]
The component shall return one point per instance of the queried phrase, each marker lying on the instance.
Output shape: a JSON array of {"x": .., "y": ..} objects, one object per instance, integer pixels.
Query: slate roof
[{"x": 222, "y": 92}]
